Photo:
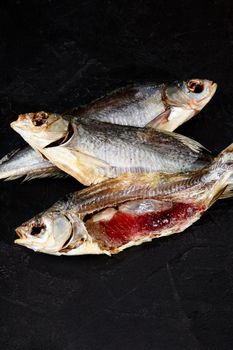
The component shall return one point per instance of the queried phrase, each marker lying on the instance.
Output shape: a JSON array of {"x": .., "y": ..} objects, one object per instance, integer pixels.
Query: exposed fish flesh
[
  {"x": 127, "y": 211},
  {"x": 94, "y": 151},
  {"x": 164, "y": 107}
]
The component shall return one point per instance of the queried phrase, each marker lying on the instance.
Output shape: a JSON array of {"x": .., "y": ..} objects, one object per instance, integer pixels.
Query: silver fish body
[
  {"x": 29, "y": 163},
  {"x": 93, "y": 152},
  {"x": 164, "y": 107},
  {"x": 119, "y": 213}
]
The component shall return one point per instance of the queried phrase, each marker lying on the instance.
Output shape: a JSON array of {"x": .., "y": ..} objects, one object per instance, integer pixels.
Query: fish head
[
  {"x": 193, "y": 93},
  {"x": 183, "y": 100},
  {"x": 46, "y": 231},
  {"x": 52, "y": 232},
  {"x": 41, "y": 129}
]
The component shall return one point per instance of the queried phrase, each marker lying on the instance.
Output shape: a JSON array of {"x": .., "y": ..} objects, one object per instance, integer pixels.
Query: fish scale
[
  {"x": 127, "y": 211},
  {"x": 163, "y": 106},
  {"x": 123, "y": 147},
  {"x": 96, "y": 151}
]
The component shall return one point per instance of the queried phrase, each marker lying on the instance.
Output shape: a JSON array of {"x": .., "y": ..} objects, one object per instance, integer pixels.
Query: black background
[{"x": 173, "y": 293}]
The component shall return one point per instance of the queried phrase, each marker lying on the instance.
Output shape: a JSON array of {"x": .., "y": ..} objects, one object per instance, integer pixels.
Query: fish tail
[
  {"x": 220, "y": 174},
  {"x": 228, "y": 150},
  {"x": 225, "y": 158},
  {"x": 228, "y": 192}
]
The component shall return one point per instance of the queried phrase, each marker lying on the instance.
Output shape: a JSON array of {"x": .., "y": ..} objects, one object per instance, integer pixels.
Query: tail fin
[
  {"x": 224, "y": 161},
  {"x": 226, "y": 158},
  {"x": 228, "y": 193},
  {"x": 222, "y": 165},
  {"x": 226, "y": 155}
]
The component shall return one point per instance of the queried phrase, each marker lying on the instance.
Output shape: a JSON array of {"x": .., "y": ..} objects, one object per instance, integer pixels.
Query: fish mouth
[
  {"x": 195, "y": 85},
  {"x": 29, "y": 230},
  {"x": 37, "y": 119},
  {"x": 197, "y": 105},
  {"x": 213, "y": 87},
  {"x": 19, "y": 128},
  {"x": 22, "y": 231},
  {"x": 14, "y": 125}
]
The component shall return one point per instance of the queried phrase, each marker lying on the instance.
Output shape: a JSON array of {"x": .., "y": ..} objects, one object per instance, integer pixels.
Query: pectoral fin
[
  {"x": 86, "y": 169},
  {"x": 160, "y": 120}
]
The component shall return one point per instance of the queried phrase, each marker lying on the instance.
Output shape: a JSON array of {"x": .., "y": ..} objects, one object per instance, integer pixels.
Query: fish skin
[
  {"x": 158, "y": 106},
  {"x": 147, "y": 105},
  {"x": 96, "y": 151},
  {"x": 135, "y": 106},
  {"x": 27, "y": 162},
  {"x": 132, "y": 209}
]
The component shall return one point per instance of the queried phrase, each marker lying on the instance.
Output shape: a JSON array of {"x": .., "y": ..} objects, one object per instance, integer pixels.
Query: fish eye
[
  {"x": 36, "y": 230},
  {"x": 39, "y": 119},
  {"x": 195, "y": 86}
]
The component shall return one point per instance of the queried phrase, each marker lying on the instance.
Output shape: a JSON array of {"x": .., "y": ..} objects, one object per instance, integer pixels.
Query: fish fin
[
  {"x": 9, "y": 155},
  {"x": 56, "y": 174},
  {"x": 159, "y": 120},
  {"x": 225, "y": 157},
  {"x": 85, "y": 168},
  {"x": 29, "y": 177},
  {"x": 225, "y": 161},
  {"x": 13, "y": 177},
  {"x": 91, "y": 169},
  {"x": 192, "y": 144},
  {"x": 226, "y": 151},
  {"x": 228, "y": 192},
  {"x": 116, "y": 98},
  {"x": 218, "y": 195}
]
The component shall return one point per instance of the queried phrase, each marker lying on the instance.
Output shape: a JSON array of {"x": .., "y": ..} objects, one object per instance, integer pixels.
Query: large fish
[
  {"x": 163, "y": 107},
  {"x": 92, "y": 151},
  {"x": 119, "y": 213}
]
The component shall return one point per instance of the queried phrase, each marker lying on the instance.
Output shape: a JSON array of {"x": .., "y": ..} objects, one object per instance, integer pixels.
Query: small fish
[
  {"x": 93, "y": 152},
  {"x": 132, "y": 209},
  {"x": 163, "y": 107}
]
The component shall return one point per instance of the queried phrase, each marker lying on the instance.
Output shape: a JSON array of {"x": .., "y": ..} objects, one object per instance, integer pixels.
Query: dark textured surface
[{"x": 174, "y": 293}]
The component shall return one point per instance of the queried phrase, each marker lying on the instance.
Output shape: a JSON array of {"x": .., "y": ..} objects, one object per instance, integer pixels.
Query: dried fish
[
  {"x": 127, "y": 211},
  {"x": 94, "y": 151},
  {"x": 164, "y": 107},
  {"x": 29, "y": 163}
]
